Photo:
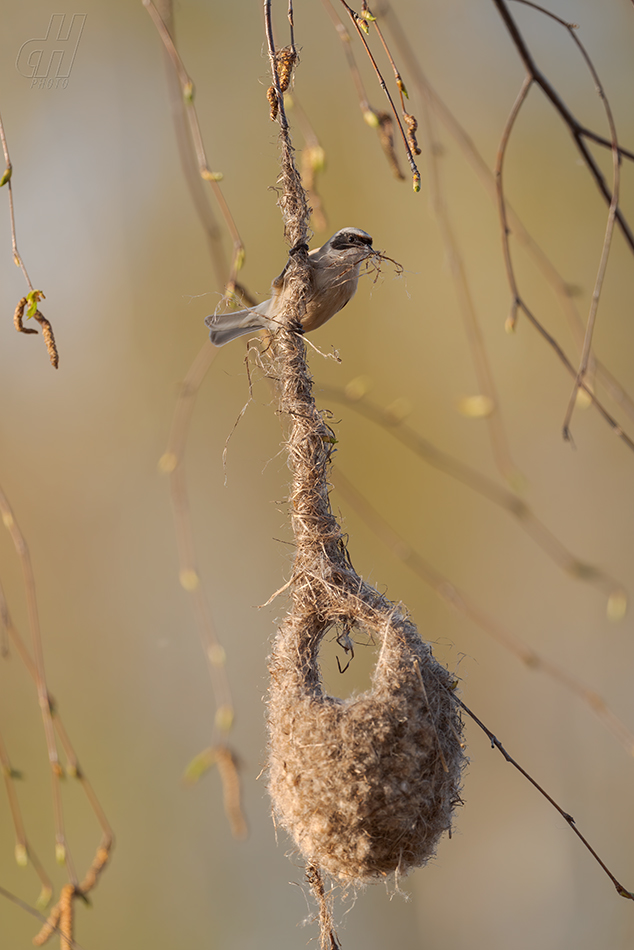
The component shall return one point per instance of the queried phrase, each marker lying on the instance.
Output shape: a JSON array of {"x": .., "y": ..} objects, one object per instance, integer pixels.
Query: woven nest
[{"x": 365, "y": 786}]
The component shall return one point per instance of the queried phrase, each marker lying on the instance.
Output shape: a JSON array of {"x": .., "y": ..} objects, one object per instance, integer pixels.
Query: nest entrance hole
[{"x": 347, "y": 658}]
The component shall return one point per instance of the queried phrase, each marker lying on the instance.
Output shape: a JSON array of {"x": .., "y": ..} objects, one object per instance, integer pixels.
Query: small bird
[{"x": 334, "y": 274}]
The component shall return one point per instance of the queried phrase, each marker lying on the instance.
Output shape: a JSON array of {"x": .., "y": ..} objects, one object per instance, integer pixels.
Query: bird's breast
[{"x": 329, "y": 296}]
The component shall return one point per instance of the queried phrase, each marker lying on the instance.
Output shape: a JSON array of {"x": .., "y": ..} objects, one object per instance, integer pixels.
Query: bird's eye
[{"x": 350, "y": 239}]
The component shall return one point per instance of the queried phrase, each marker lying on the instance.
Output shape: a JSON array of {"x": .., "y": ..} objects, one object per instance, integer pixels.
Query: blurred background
[{"x": 107, "y": 229}]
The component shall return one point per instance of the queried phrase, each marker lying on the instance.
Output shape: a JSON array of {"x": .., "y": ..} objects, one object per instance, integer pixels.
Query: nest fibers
[{"x": 365, "y": 786}]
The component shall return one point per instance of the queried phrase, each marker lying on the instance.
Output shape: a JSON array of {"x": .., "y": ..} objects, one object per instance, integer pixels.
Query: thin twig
[
  {"x": 205, "y": 172},
  {"x": 458, "y": 600},
  {"x": 172, "y": 461},
  {"x": 465, "y": 143},
  {"x": 495, "y": 742},
  {"x": 562, "y": 289},
  {"x": 503, "y": 498},
  {"x": 408, "y": 151},
  {"x": 291, "y": 22},
  {"x": 472, "y": 328},
  {"x": 22, "y": 551},
  {"x": 34, "y": 296},
  {"x": 24, "y": 852},
  {"x": 7, "y": 180},
  {"x": 268, "y": 27},
  {"x": 188, "y": 158},
  {"x": 578, "y": 131},
  {"x": 607, "y": 241},
  {"x": 172, "y": 464},
  {"x": 471, "y": 322},
  {"x": 383, "y": 122},
  {"x": 344, "y": 36},
  {"x": 499, "y": 170},
  {"x": 397, "y": 75},
  {"x": 518, "y": 302},
  {"x": 35, "y": 913},
  {"x": 312, "y": 163},
  {"x": 613, "y": 209},
  {"x": 61, "y": 918},
  {"x": 73, "y": 768},
  {"x": 583, "y": 130},
  {"x": 410, "y": 120}
]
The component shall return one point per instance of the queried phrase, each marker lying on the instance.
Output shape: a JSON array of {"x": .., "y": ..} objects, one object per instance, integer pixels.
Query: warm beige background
[{"x": 106, "y": 227}]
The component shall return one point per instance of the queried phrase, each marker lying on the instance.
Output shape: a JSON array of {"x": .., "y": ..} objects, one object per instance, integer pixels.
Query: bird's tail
[{"x": 225, "y": 327}]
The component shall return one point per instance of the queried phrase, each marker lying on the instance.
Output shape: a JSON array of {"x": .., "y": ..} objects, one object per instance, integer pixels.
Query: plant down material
[{"x": 366, "y": 786}]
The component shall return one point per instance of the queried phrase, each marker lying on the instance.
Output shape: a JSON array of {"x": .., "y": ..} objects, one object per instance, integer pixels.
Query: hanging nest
[{"x": 365, "y": 786}]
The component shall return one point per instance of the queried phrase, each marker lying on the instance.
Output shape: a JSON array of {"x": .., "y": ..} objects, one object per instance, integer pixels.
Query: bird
[{"x": 334, "y": 274}]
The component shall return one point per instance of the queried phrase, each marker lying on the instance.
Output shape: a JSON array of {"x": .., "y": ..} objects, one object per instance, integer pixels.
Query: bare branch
[
  {"x": 458, "y": 600},
  {"x": 577, "y": 130},
  {"x": 187, "y": 89},
  {"x": 503, "y": 498},
  {"x": 495, "y": 742}
]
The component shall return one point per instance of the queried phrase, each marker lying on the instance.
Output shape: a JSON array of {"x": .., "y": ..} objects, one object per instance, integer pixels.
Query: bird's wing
[{"x": 250, "y": 316}]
